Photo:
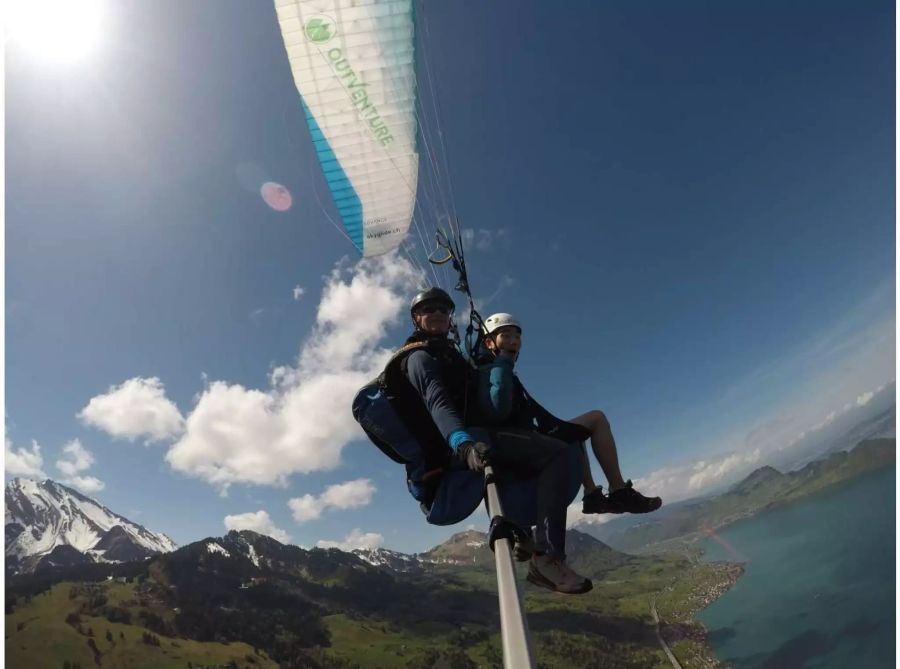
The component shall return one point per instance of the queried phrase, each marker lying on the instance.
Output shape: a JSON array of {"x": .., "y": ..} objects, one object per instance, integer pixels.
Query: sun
[{"x": 57, "y": 31}]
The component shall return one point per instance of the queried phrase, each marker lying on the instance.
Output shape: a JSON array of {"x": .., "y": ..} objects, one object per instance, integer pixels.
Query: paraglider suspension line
[{"x": 451, "y": 250}]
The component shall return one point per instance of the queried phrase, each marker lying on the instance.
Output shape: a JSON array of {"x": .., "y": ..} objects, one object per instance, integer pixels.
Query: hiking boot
[
  {"x": 629, "y": 500},
  {"x": 595, "y": 502},
  {"x": 554, "y": 574},
  {"x": 523, "y": 548}
]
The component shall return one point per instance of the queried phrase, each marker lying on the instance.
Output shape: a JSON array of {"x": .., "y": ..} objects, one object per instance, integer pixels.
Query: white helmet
[{"x": 496, "y": 321}]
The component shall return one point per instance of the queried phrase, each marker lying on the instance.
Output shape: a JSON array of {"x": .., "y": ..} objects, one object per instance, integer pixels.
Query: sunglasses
[{"x": 431, "y": 308}]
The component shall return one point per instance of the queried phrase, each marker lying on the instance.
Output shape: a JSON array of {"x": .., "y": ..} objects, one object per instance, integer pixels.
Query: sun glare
[{"x": 54, "y": 30}]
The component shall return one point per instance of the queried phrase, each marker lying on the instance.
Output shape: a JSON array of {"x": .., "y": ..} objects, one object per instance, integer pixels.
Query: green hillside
[
  {"x": 764, "y": 489},
  {"x": 326, "y": 608},
  {"x": 71, "y": 622}
]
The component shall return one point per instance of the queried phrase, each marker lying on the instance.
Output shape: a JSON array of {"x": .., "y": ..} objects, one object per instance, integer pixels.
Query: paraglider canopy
[{"x": 353, "y": 65}]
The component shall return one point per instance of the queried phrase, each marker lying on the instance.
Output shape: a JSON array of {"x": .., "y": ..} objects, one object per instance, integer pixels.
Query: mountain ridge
[
  {"x": 762, "y": 489},
  {"x": 46, "y": 521}
]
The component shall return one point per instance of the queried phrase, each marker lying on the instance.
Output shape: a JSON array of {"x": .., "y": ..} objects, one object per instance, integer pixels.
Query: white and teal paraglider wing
[{"x": 353, "y": 64}]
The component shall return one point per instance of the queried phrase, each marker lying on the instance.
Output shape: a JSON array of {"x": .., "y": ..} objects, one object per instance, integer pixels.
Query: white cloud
[
  {"x": 756, "y": 447},
  {"x": 829, "y": 375},
  {"x": 574, "y": 517},
  {"x": 86, "y": 484},
  {"x": 22, "y": 462},
  {"x": 708, "y": 473},
  {"x": 861, "y": 400},
  {"x": 349, "y": 495},
  {"x": 302, "y": 422},
  {"x": 76, "y": 458},
  {"x": 684, "y": 481},
  {"x": 306, "y": 508},
  {"x": 356, "y": 539},
  {"x": 257, "y": 521},
  {"x": 864, "y": 398},
  {"x": 137, "y": 408},
  {"x": 299, "y": 292}
]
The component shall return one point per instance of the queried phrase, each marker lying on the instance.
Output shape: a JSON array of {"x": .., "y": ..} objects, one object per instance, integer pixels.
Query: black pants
[{"x": 528, "y": 453}]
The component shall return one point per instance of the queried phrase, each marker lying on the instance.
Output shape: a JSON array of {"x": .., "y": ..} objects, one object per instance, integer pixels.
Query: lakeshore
[{"x": 785, "y": 609}]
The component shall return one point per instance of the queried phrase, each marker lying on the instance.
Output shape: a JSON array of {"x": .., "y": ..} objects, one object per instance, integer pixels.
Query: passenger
[{"x": 503, "y": 399}]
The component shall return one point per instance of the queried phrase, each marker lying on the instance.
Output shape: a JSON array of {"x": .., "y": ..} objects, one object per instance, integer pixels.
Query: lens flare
[
  {"x": 276, "y": 196},
  {"x": 724, "y": 543},
  {"x": 54, "y": 30}
]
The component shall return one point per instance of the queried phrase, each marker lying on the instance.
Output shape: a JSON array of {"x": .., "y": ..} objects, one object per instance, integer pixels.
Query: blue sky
[{"x": 689, "y": 205}]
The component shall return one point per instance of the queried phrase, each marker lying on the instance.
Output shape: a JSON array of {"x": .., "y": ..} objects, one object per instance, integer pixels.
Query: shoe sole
[
  {"x": 655, "y": 508},
  {"x": 599, "y": 511},
  {"x": 621, "y": 511},
  {"x": 542, "y": 582}
]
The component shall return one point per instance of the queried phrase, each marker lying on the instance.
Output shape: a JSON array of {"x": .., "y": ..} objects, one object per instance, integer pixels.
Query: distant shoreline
[
  {"x": 730, "y": 571},
  {"x": 763, "y": 490},
  {"x": 735, "y": 570},
  {"x": 788, "y": 501}
]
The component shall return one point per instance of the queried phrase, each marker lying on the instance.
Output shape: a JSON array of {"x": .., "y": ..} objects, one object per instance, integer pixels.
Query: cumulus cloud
[
  {"x": 301, "y": 422},
  {"x": 754, "y": 447},
  {"x": 707, "y": 473},
  {"x": 863, "y": 399},
  {"x": 257, "y": 521},
  {"x": 356, "y": 539},
  {"x": 574, "y": 516},
  {"x": 24, "y": 462},
  {"x": 299, "y": 292},
  {"x": 75, "y": 460},
  {"x": 86, "y": 484},
  {"x": 305, "y": 508},
  {"x": 684, "y": 481},
  {"x": 136, "y": 409},
  {"x": 349, "y": 495}
]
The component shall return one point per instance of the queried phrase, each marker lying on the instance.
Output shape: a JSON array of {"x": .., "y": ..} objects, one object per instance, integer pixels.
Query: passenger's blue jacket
[
  {"x": 498, "y": 399},
  {"x": 504, "y": 402}
]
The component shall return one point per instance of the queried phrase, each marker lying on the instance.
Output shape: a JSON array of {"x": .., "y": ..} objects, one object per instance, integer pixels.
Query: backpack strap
[{"x": 413, "y": 413}]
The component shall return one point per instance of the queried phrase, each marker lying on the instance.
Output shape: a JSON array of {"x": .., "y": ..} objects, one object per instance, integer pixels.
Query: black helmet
[{"x": 433, "y": 294}]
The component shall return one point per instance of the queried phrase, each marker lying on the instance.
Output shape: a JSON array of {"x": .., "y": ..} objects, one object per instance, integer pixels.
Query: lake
[{"x": 819, "y": 589}]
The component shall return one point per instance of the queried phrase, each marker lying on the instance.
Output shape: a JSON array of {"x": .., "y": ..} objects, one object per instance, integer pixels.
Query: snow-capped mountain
[
  {"x": 392, "y": 560},
  {"x": 49, "y": 524}
]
